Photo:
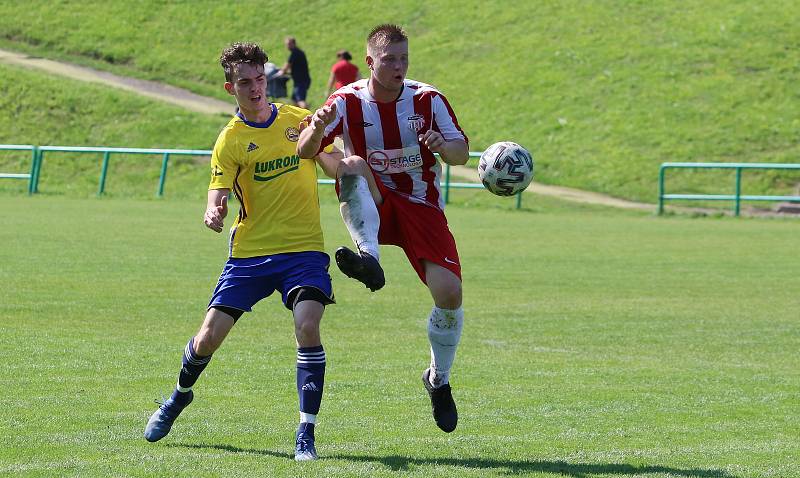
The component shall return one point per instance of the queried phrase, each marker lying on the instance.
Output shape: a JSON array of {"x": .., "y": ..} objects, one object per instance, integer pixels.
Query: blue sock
[
  {"x": 310, "y": 378},
  {"x": 193, "y": 366},
  {"x": 306, "y": 429}
]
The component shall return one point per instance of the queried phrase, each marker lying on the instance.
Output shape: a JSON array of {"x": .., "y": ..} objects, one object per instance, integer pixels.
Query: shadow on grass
[{"x": 576, "y": 470}]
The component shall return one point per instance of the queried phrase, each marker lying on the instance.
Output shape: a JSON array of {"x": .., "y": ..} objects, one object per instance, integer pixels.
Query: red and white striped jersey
[{"x": 386, "y": 136}]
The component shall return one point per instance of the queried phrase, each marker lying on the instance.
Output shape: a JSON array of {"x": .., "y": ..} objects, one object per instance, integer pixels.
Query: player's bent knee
[
  {"x": 205, "y": 343},
  {"x": 219, "y": 322},
  {"x": 308, "y": 305},
  {"x": 447, "y": 295},
  {"x": 352, "y": 165},
  {"x": 306, "y": 329}
]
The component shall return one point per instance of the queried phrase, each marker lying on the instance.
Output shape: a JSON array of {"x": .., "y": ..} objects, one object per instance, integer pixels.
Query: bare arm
[
  {"x": 331, "y": 81},
  {"x": 311, "y": 137},
  {"x": 216, "y": 209},
  {"x": 309, "y": 142},
  {"x": 329, "y": 162}
]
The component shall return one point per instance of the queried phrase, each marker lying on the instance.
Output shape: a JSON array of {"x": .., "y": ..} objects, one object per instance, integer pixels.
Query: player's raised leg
[
  {"x": 445, "y": 324},
  {"x": 307, "y": 310},
  {"x": 359, "y": 197},
  {"x": 196, "y": 356}
]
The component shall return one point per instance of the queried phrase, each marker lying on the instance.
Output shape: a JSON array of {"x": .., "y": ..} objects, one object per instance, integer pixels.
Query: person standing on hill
[
  {"x": 297, "y": 67},
  {"x": 343, "y": 72},
  {"x": 389, "y": 191},
  {"x": 275, "y": 244}
]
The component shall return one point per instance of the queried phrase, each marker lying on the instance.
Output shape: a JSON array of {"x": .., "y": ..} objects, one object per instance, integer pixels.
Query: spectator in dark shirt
[
  {"x": 297, "y": 66},
  {"x": 342, "y": 72}
]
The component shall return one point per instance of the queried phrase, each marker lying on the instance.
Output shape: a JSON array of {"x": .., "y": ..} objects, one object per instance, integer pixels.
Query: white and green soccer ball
[{"x": 505, "y": 168}]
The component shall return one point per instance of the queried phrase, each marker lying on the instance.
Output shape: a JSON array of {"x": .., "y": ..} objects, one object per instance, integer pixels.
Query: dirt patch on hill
[{"x": 151, "y": 89}]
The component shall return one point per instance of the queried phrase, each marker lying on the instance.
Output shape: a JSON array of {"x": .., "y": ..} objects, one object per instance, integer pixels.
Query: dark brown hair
[
  {"x": 241, "y": 52},
  {"x": 385, "y": 34},
  {"x": 344, "y": 54}
]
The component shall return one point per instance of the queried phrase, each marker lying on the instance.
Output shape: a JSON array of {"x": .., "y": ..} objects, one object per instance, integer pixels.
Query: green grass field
[
  {"x": 600, "y": 92},
  {"x": 597, "y": 344}
]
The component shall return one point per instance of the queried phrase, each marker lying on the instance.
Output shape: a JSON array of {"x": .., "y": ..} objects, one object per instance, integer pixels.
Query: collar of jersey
[
  {"x": 372, "y": 98},
  {"x": 265, "y": 124}
]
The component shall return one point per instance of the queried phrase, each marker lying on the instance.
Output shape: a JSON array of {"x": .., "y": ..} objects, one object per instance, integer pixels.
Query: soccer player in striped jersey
[
  {"x": 388, "y": 186},
  {"x": 276, "y": 241}
]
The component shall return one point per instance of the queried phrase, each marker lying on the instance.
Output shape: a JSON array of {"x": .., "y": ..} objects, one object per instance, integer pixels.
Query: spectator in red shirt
[{"x": 342, "y": 72}]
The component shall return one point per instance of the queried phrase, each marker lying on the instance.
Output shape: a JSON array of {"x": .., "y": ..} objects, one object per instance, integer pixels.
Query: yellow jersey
[{"x": 277, "y": 191}]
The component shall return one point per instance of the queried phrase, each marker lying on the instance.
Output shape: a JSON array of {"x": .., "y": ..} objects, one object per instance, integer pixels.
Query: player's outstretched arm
[
  {"x": 216, "y": 209},
  {"x": 329, "y": 162},
  {"x": 311, "y": 137}
]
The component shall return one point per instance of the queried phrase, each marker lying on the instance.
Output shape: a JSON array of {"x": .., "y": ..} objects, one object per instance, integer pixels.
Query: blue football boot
[
  {"x": 304, "y": 449},
  {"x": 161, "y": 421}
]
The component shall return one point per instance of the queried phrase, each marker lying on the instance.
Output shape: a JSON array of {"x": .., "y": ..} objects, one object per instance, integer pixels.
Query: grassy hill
[
  {"x": 57, "y": 111},
  {"x": 600, "y": 92}
]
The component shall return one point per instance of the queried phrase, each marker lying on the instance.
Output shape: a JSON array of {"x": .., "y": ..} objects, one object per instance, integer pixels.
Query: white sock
[
  {"x": 307, "y": 418},
  {"x": 360, "y": 213},
  {"x": 182, "y": 389},
  {"x": 444, "y": 333}
]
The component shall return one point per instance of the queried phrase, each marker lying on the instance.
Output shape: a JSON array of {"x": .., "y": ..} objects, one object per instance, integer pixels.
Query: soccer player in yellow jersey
[{"x": 275, "y": 242}]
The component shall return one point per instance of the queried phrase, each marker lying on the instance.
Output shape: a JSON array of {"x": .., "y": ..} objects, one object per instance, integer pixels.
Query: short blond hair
[{"x": 384, "y": 35}]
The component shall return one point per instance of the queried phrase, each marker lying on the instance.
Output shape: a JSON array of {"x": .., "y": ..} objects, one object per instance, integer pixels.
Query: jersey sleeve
[
  {"x": 337, "y": 126},
  {"x": 445, "y": 120},
  {"x": 223, "y": 163}
]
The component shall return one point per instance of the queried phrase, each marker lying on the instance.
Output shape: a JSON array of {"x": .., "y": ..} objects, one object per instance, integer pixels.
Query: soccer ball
[{"x": 505, "y": 168}]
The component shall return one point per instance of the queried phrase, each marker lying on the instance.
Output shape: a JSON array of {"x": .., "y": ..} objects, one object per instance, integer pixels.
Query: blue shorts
[
  {"x": 244, "y": 282},
  {"x": 300, "y": 91}
]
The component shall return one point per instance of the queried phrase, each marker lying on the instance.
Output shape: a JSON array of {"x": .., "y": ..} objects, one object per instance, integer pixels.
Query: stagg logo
[
  {"x": 378, "y": 160},
  {"x": 280, "y": 166},
  {"x": 394, "y": 160},
  {"x": 292, "y": 134},
  {"x": 416, "y": 123}
]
